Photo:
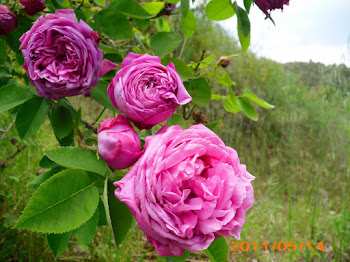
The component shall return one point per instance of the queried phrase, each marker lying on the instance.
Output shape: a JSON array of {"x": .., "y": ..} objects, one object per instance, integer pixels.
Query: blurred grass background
[{"x": 298, "y": 152}]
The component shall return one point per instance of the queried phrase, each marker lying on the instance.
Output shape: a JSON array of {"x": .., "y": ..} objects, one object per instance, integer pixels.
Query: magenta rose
[
  {"x": 186, "y": 190},
  {"x": 146, "y": 91},
  {"x": 118, "y": 143},
  {"x": 269, "y": 5},
  {"x": 61, "y": 55},
  {"x": 32, "y": 7},
  {"x": 8, "y": 20}
]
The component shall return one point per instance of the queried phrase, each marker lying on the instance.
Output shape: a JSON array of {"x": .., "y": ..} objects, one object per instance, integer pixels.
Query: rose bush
[
  {"x": 118, "y": 143},
  {"x": 61, "y": 55},
  {"x": 187, "y": 189},
  {"x": 146, "y": 91}
]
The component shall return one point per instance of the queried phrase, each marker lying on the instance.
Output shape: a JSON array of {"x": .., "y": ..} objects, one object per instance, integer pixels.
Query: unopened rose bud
[
  {"x": 169, "y": 8},
  {"x": 118, "y": 143},
  {"x": 224, "y": 61},
  {"x": 268, "y": 5},
  {"x": 8, "y": 20},
  {"x": 32, "y": 7},
  {"x": 3, "y": 164}
]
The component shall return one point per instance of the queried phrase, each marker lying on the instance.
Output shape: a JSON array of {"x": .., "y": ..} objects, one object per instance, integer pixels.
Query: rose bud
[
  {"x": 269, "y": 5},
  {"x": 32, "y": 7},
  {"x": 118, "y": 143},
  {"x": 8, "y": 20},
  {"x": 186, "y": 190},
  {"x": 224, "y": 61},
  {"x": 169, "y": 8},
  {"x": 62, "y": 55},
  {"x": 146, "y": 91}
]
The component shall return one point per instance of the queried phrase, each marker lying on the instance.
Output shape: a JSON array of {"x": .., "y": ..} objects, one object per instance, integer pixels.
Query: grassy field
[{"x": 298, "y": 152}]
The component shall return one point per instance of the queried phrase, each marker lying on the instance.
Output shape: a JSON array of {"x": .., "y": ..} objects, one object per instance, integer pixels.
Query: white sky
[{"x": 317, "y": 30}]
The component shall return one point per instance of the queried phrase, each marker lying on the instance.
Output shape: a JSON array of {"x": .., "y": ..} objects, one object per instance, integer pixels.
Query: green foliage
[
  {"x": 58, "y": 242},
  {"x": 61, "y": 120},
  {"x": 100, "y": 95},
  {"x": 31, "y": 116},
  {"x": 153, "y": 8},
  {"x": 199, "y": 90},
  {"x": 177, "y": 119},
  {"x": 178, "y": 259},
  {"x": 248, "y": 94},
  {"x": 118, "y": 214},
  {"x": 13, "y": 95},
  {"x": 130, "y": 8},
  {"x": 163, "y": 43},
  {"x": 37, "y": 181},
  {"x": 217, "y": 251},
  {"x": 184, "y": 70},
  {"x": 79, "y": 158},
  {"x": 219, "y": 10},
  {"x": 247, "y": 108},
  {"x": 87, "y": 231},
  {"x": 62, "y": 203},
  {"x": 188, "y": 23}
]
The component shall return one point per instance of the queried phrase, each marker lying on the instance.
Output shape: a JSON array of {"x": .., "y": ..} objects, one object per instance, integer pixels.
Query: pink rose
[
  {"x": 186, "y": 190},
  {"x": 146, "y": 91},
  {"x": 118, "y": 143},
  {"x": 61, "y": 55}
]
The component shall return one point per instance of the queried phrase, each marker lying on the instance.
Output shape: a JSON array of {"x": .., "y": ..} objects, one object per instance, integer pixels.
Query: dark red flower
[
  {"x": 224, "y": 61},
  {"x": 32, "y": 7},
  {"x": 8, "y": 20},
  {"x": 268, "y": 5}
]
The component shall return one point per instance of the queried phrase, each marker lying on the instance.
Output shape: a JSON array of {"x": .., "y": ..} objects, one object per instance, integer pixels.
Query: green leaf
[
  {"x": 118, "y": 214},
  {"x": 58, "y": 243},
  {"x": 245, "y": 41},
  {"x": 242, "y": 19},
  {"x": 13, "y": 95},
  {"x": 67, "y": 140},
  {"x": 3, "y": 54},
  {"x": 188, "y": 23},
  {"x": 61, "y": 120},
  {"x": 257, "y": 100},
  {"x": 224, "y": 79},
  {"x": 213, "y": 126},
  {"x": 173, "y": 1},
  {"x": 102, "y": 219},
  {"x": 199, "y": 89},
  {"x": 185, "y": 6},
  {"x": 184, "y": 70},
  {"x": 80, "y": 158},
  {"x": 177, "y": 119},
  {"x": 45, "y": 162},
  {"x": 106, "y": 21},
  {"x": 31, "y": 116},
  {"x": 36, "y": 182},
  {"x": 216, "y": 97},
  {"x": 247, "y": 108},
  {"x": 218, "y": 250},
  {"x": 219, "y": 10},
  {"x": 62, "y": 203},
  {"x": 100, "y": 95},
  {"x": 164, "y": 43},
  {"x": 230, "y": 103},
  {"x": 141, "y": 24},
  {"x": 52, "y": 5},
  {"x": 247, "y": 5},
  {"x": 162, "y": 25},
  {"x": 130, "y": 8},
  {"x": 100, "y": 2},
  {"x": 153, "y": 8},
  {"x": 87, "y": 231},
  {"x": 178, "y": 259}
]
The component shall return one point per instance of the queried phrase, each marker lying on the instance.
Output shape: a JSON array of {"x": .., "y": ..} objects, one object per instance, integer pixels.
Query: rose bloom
[
  {"x": 118, "y": 143},
  {"x": 8, "y": 20},
  {"x": 61, "y": 55},
  {"x": 269, "y": 5},
  {"x": 146, "y": 91},
  {"x": 32, "y": 7},
  {"x": 186, "y": 190}
]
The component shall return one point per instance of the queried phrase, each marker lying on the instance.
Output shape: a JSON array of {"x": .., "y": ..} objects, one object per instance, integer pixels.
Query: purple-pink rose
[
  {"x": 146, "y": 91},
  {"x": 8, "y": 20},
  {"x": 61, "y": 55},
  {"x": 118, "y": 143},
  {"x": 269, "y": 5},
  {"x": 32, "y": 7},
  {"x": 186, "y": 190}
]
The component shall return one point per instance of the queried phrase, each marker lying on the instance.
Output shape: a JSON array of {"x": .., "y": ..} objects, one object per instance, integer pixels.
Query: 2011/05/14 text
[{"x": 280, "y": 246}]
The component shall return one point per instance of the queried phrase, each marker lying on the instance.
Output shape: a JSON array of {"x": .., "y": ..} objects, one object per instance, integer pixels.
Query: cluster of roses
[{"x": 186, "y": 188}]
